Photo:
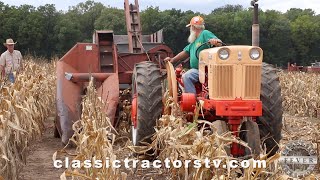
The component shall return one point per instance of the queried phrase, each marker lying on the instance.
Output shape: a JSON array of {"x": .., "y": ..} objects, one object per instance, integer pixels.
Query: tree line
[{"x": 44, "y": 31}]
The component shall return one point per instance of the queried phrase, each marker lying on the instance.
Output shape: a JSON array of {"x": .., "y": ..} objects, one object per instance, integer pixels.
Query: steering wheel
[{"x": 208, "y": 44}]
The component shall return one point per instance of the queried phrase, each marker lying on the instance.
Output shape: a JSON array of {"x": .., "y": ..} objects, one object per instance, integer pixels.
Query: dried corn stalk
[
  {"x": 178, "y": 140},
  {"x": 93, "y": 139},
  {"x": 301, "y": 93},
  {"x": 174, "y": 139},
  {"x": 24, "y": 106}
]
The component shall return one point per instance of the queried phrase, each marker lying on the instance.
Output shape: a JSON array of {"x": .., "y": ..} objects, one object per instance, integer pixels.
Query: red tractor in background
[{"x": 314, "y": 68}]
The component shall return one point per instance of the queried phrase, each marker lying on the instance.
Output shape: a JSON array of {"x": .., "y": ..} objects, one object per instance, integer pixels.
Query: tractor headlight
[
  {"x": 254, "y": 53},
  {"x": 223, "y": 54}
]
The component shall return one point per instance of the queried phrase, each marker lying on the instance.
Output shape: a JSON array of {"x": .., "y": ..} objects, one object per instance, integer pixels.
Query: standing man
[
  {"x": 10, "y": 61},
  {"x": 198, "y": 35}
]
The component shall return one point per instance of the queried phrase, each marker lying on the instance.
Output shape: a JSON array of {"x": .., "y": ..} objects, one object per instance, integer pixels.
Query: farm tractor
[
  {"x": 314, "y": 68},
  {"x": 238, "y": 92}
]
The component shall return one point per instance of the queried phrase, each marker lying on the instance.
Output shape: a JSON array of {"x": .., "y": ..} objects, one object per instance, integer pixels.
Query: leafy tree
[
  {"x": 30, "y": 32},
  {"x": 305, "y": 36},
  {"x": 228, "y": 9},
  {"x": 293, "y": 13},
  {"x": 68, "y": 32},
  {"x": 10, "y": 22},
  {"x": 89, "y": 12},
  {"x": 112, "y": 19},
  {"x": 292, "y": 36},
  {"x": 152, "y": 19},
  {"x": 49, "y": 20},
  {"x": 275, "y": 38}
]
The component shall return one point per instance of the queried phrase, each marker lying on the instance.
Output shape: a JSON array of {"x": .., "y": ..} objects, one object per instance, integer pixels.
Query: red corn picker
[{"x": 110, "y": 59}]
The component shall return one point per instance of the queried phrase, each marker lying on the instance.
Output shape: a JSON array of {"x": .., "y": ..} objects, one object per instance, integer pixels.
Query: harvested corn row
[
  {"x": 93, "y": 139},
  {"x": 301, "y": 93}
]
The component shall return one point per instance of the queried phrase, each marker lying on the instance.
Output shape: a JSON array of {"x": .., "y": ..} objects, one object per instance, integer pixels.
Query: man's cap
[
  {"x": 9, "y": 42},
  {"x": 197, "y": 20}
]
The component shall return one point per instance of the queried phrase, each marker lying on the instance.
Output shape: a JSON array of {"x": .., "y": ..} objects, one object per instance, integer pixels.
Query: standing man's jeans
[
  {"x": 189, "y": 78},
  {"x": 11, "y": 77}
]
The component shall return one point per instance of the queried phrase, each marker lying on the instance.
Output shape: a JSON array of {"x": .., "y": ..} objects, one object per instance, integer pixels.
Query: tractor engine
[
  {"x": 231, "y": 81},
  {"x": 232, "y": 75}
]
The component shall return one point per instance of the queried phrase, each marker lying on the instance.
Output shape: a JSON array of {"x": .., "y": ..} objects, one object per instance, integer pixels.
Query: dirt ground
[
  {"x": 39, "y": 162},
  {"x": 40, "y": 167}
]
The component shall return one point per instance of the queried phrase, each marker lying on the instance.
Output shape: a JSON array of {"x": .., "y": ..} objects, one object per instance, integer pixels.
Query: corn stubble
[
  {"x": 177, "y": 139},
  {"x": 301, "y": 102},
  {"x": 24, "y": 107},
  {"x": 94, "y": 139},
  {"x": 27, "y": 103},
  {"x": 301, "y": 93}
]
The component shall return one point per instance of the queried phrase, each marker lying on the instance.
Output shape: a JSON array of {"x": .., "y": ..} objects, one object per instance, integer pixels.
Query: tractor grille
[
  {"x": 223, "y": 81},
  {"x": 252, "y": 82}
]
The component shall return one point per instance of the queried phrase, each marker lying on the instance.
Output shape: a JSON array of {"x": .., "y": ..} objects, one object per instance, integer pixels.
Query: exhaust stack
[{"x": 255, "y": 24}]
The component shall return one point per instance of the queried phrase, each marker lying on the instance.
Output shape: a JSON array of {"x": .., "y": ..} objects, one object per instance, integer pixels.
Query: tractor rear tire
[
  {"x": 147, "y": 87},
  {"x": 270, "y": 123}
]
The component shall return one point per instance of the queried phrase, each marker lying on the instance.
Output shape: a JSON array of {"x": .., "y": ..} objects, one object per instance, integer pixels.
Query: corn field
[
  {"x": 301, "y": 93},
  {"x": 24, "y": 109}
]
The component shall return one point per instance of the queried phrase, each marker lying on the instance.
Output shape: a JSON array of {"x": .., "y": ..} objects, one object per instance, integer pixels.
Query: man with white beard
[{"x": 198, "y": 35}]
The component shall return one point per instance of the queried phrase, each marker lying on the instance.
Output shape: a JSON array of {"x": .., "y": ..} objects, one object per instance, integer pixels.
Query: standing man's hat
[{"x": 9, "y": 42}]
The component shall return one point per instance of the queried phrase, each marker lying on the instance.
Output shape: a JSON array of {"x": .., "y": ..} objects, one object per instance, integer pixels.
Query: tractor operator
[
  {"x": 198, "y": 35},
  {"x": 10, "y": 61}
]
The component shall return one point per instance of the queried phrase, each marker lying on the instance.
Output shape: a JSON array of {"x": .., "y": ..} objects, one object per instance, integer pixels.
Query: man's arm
[
  {"x": 212, "y": 38},
  {"x": 215, "y": 41},
  {"x": 21, "y": 62},
  {"x": 1, "y": 70},
  {"x": 2, "y": 65},
  {"x": 182, "y": 55}
]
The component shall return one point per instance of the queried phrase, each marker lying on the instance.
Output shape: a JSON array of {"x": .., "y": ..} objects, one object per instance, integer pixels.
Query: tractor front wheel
[{"x": 146, "y": 101}]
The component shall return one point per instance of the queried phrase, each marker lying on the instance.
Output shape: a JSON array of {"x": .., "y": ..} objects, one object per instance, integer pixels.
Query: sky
[{"x": 202, "y": 6}]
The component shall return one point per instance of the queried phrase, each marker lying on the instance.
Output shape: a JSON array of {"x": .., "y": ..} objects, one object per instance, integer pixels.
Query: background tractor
[
  {"x": 238, "y": 93},
  {"x": 314, "y": 68}
]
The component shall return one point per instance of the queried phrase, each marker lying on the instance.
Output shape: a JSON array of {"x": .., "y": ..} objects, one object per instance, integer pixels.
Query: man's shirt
[
  {"x": 203, "y": 37},
  {"x": 11, "y": 61}
]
